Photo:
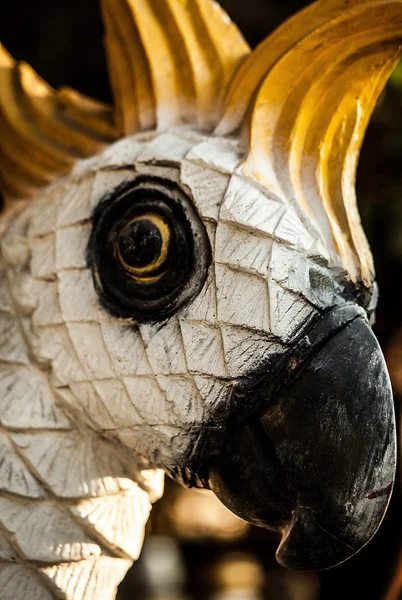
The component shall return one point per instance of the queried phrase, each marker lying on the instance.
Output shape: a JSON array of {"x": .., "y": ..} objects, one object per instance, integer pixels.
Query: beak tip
[{"x": 307, "y": 546}]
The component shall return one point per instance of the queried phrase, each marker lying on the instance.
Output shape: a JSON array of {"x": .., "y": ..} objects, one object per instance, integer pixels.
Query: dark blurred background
[{"x": 195, "y": 549}]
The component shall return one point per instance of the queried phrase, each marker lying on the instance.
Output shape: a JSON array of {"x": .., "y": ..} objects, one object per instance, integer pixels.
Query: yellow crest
[
  {"x": 43, "y": 132},
  {"x": 170, "y": 62},
  {"x": 305, "y": 97}
]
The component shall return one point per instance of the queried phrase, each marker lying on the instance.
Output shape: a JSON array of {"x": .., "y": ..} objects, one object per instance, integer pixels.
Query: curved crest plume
[
  {"x": 304, "y": 98},
  {"x": 170, "y": 61},
  {"x": 43, "y": 132}
]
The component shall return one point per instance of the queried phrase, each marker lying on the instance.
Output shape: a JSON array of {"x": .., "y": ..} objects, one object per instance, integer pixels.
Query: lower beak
[{"x": 318, "y": 463}]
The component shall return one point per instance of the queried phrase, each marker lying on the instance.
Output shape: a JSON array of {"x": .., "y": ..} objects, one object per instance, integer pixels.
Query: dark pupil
[{"x": 140, "y": 243}]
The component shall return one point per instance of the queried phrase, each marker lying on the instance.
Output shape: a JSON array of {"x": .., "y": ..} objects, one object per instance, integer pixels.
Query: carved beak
[{"x": 318, "y": 462}]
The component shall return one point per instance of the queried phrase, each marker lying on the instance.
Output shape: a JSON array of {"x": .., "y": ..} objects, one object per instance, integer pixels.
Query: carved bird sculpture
[{"x": 186, "y": 288}]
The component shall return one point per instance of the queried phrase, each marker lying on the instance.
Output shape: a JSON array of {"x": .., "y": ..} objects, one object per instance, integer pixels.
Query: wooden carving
[{"x": 186, "y": 288}]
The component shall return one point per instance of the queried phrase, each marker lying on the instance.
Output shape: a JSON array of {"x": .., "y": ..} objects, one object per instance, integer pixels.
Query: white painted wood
[
  {"x": 238, "y": 292},
  {"x": 46, "y": 533},
  {"x": 84, "y": 402},
  {"x": 95, "y": 578},
  {"x": 207, "y": 187},
  {"x": 149, "y": 400},
  {"x": 27, "y": 400},
  {"x": 220, "y": 154},
  {"x": 12, "y": 345},
  {"x": 6, "y": 304},
  {"x": 77, "y": 296},
  {"x": 121, "y": 154},
  {"x": 290, "y": 230},
  {"x": 204, "y": 348},
  {"x": 164, "y": 347},
  {"x": 242, "y": 249},
  {"x": 45, "y": 208},
  {"x": 14, "y": 243},
  {"x": 114, "y": 396},
  {"x": 86, "y": 337},
  {"x": 43, "y": 252},
  {"x": 19, "y": 581},
  {"x": 214, "y": 392},
  {"x": 24, "y": 290},
  {"x": 245, "y": 349},
  {"x": 288, "y": 311},
  {"x": 119, "y": 521},
  {"x": 204, "y": 307},
  {"x": 126, "y": 347},
  {"x": 71, "y": 244},
  {"x": 7, "y": 552},
  {"x": 47, "y": 309},
  {"x": 177, "y": 388},
  {"x": 73, "y": 465},
  {"x": 55, "y": 347},
  {"x": 74, "y": 205},
  {"x": 15, "y": 476},
  {"x": 161, "y": 171},
  {"x": 108, "y": 180},
  {"x": 166, "y": 147},
  {"x": 245, "y": 205}
]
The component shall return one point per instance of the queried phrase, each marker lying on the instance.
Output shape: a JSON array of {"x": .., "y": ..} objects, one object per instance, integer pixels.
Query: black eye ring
[{"x": 149, "y": 251}]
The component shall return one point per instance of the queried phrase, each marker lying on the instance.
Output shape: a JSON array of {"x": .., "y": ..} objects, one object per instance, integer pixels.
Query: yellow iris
[{"x": 144, "y": 273}]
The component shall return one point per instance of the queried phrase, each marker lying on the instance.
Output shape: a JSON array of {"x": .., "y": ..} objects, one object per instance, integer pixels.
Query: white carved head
[{"x": 201, "y": 298}]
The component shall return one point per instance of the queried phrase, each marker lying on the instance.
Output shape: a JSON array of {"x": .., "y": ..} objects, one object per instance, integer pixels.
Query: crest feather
[
  {"x": 304, "y": 99},
  {"x": 170, "y": 61},
  {"x": 43, "y": 132}
]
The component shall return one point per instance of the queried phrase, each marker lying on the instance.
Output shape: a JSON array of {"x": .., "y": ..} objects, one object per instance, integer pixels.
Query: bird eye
[
  {"x": 149, "y": 251},
  {"x": 143, "y": 247}
]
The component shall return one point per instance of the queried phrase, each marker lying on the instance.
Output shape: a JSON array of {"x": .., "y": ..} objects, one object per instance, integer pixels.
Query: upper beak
[{"x": 318, "y": 462}]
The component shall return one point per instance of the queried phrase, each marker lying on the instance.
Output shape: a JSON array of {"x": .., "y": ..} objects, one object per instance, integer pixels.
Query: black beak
[{"x": 318, "y": 461}]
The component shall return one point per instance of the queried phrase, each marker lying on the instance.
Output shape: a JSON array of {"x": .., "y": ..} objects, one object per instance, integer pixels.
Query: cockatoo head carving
[{"x": 199, "y": 290}]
